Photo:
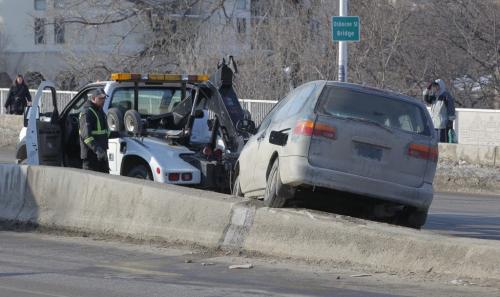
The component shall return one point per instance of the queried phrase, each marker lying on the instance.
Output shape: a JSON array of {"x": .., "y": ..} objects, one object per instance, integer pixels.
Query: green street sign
[{"x": 345, "y": 28}]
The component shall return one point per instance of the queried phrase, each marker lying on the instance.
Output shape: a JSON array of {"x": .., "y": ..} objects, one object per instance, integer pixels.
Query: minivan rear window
[{"x": 385, "y": 111}]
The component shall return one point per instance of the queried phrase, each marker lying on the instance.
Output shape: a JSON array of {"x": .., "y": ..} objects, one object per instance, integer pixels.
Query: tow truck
[{"x": 169, "y": 128}]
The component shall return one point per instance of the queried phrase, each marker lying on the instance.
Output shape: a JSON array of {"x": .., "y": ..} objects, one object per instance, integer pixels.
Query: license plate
[{"x": 369, "y": 151}]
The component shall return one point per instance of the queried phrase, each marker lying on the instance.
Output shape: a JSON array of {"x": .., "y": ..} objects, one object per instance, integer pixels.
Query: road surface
[
  {"x": 40, "y": 265},
  {"x": 475, "y": 216}
]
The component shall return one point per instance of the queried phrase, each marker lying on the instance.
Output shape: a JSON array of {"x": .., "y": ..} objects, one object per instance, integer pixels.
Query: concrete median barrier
[
  {"x": 485, "y": 155},
  {"x": 77, "y": 200},
  {"x": 320, "y": 237},
  {"x": 13, "y": 191},
  {"x": 10, "y": 125},
  {"x": 84, "y": 201}
]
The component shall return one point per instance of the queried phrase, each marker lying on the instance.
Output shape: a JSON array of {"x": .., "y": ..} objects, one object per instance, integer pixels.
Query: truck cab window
[
  {"x": 78, "y": 105},
  {"x": 123, "y": 99}
]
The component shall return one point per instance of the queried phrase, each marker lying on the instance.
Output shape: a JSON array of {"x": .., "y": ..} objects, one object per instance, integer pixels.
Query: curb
[{"x": 83, "y": 201}]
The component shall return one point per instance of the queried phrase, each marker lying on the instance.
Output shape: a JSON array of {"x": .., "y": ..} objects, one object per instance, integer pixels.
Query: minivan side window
[
  {"x": 294, "y": 105},
  {"x": 267, "y": 120}
]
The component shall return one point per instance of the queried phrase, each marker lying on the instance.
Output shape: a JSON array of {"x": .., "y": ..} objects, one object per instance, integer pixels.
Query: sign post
[{"x": 344, "y": 29}]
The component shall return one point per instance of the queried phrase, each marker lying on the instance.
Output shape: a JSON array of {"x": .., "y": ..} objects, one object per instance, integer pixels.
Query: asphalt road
[
  {"x": 7, "y": 154},
  {"x": 40, "y": 265},
  {"x": 475, "y": 216}
]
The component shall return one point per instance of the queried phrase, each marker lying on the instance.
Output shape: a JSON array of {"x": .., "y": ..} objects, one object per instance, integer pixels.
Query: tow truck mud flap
[{"x": 213, "y": 174}]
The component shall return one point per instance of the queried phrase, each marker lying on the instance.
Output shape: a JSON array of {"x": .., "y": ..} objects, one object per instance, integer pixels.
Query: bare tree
[{"x": 283, "y": 43}]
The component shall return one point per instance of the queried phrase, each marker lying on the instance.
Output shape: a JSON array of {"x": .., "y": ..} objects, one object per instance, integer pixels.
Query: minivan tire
[
  {"x": 276, "y": 194},
  {"x": 140, "y": 171},
  {"x": 236, "y": 190},
  {"x": 413, "y": 217}
]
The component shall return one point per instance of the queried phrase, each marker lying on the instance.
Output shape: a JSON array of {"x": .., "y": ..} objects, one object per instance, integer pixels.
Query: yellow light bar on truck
[
  {"x": 198, "y": 78},
  {"x": 157, "y": 77},
  {"x": 125, "y": 76},
  {"x": 173, "y": 77}
]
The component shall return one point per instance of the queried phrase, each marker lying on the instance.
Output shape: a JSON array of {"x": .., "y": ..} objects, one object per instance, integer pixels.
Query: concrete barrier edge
[{"x": 78, "y": 200}]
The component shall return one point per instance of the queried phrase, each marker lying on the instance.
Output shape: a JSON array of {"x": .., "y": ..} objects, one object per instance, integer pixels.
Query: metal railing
[
  {"x": 473, "y": 126},
  {"x": 258, "y": 108},
  {"x": 63, "y": 98}
]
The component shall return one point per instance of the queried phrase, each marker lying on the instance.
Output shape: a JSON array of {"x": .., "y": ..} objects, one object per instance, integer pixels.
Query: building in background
[{"x": 54, "y": 37}]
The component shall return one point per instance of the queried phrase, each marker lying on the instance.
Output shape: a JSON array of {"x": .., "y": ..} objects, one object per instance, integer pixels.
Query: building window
[
  {"x": 39, "y": 31},
  {"x": 40, "y": 4},
  {"x": 241, "y": 25},
  {"x": 59, "y": 31},
  {"x": 59, "y": 4},
  {"x": 241, "y": 4}
]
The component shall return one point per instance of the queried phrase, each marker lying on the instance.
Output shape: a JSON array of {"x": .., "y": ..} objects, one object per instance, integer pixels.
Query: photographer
[
  {"x": 19, "y": 97},
  {"x": 442, "y": 108}
]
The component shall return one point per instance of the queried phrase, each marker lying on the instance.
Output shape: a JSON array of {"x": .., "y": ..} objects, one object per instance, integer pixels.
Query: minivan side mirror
[
  {"x": 246, "y": 126},
  {"x": 278, "y": 138}
]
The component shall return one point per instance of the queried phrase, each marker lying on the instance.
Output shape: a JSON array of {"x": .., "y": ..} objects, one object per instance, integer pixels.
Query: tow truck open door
[{"x": 43, "y": 136}]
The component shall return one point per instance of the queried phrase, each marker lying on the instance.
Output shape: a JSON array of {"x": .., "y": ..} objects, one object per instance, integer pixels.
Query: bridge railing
[{"x": 473, "y": 126}]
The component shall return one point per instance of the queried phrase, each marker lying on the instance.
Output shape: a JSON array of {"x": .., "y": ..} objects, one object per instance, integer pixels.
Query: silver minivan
[{"x": 343, "y": 137}]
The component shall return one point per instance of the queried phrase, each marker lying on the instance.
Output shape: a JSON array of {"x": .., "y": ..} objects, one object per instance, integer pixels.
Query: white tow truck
[{"x": 177, "y": 129}]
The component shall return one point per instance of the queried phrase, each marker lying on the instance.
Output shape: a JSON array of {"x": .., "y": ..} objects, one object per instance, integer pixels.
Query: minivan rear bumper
[{"x": 296, "y": 171}]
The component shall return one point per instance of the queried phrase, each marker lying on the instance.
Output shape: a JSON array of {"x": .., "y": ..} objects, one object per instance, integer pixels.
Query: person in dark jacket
[
  {"x": 442, "y": 108},
  {"x": 19, "y": 97},
  {"x": 94, "y": 133}
]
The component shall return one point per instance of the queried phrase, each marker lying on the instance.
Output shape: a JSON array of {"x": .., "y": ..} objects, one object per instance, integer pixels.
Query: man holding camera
[
  {"x": 442, "y": 108},
  {"x": 94, "y": 133}
]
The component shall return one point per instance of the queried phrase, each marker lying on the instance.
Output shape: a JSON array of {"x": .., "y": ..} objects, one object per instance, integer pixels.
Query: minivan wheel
[
  {"x": 140, "y": 171},
  {"x": 276, "y": 194},
  {"x": 413, "y": 217},
  {"x": 236, "y": 190}
]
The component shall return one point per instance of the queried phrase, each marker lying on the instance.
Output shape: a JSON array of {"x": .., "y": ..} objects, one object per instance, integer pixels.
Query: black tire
[
  {"x": 413, "y": 217},
  {"x": 115, "y": 120},
  {"x": 133, "y": 122},
  {"x": 276, "y": 194},
  {"x": 21, "y": 155},
  {"x": 236, "y": 190},
  {"x": 140, "y": 171}
]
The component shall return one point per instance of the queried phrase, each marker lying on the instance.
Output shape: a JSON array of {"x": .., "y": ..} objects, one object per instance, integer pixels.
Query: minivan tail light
[
  {"x": 304, "y": 127},
  {"x": 423, "y": 151},
  {"x": 309, "y": 128},
  {"x": 326, "y": 131}
]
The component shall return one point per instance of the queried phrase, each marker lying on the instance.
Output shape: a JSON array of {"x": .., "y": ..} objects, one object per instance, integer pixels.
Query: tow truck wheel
[
  {"x": 133, "y": 122},
  {"x": 140, "y": 171},
  {"x": 115, "y": 119},
  {"x": 276, "y": 194}
]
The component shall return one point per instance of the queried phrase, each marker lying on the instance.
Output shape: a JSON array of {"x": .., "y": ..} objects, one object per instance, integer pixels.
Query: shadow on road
[
  {"x": 463, "y": 225},
  {"x": 341, "y": 203}
]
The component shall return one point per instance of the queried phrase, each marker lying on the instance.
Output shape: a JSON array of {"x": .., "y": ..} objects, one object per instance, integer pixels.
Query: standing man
[
  {"x": 94, "y": 133},
  {"x": 442, "y": 108}
]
